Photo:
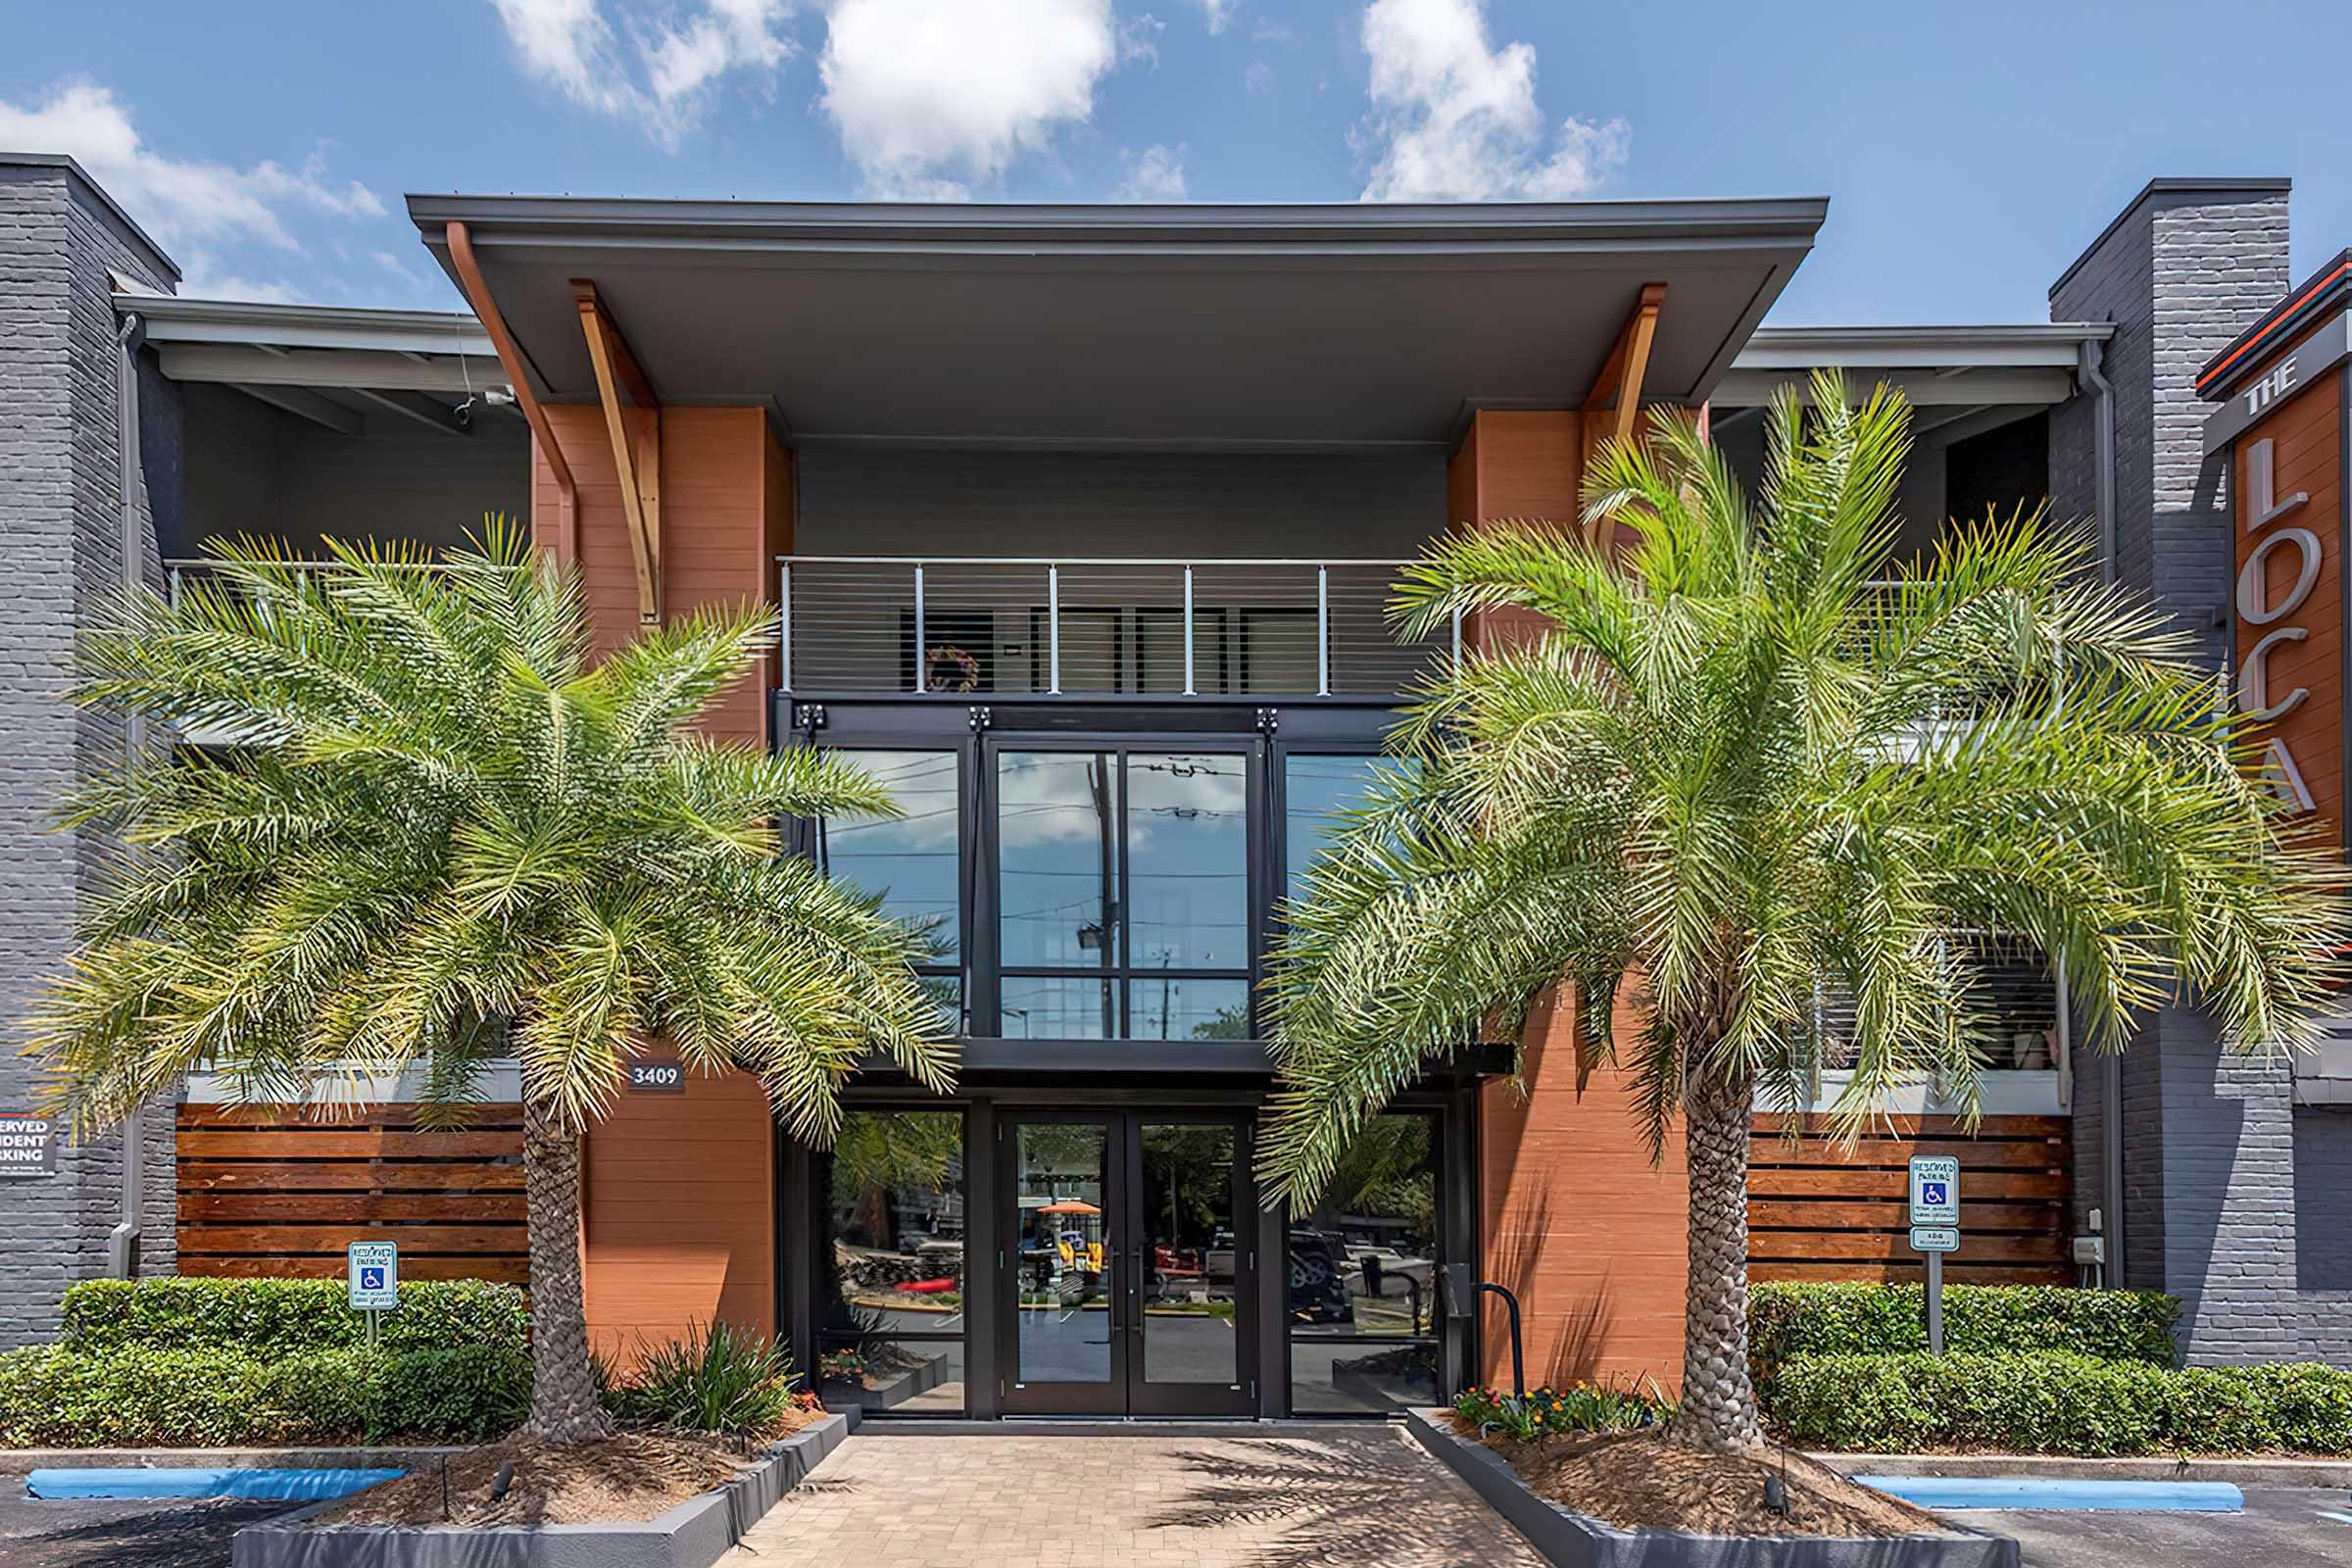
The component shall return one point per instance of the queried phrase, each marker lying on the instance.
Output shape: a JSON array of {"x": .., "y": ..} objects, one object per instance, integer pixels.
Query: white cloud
[
  {"x": 1267, "y": 31},
  {"x": 660, "y": 74},
  {"x": 929, "y": 97},
  {"x": 1220, "y": 14},
  {"x": 1139, "y": 40},
  {"x": 180, "y": 200},
  {"x": 1455, "y": 118},
  {"x": 1156, "y": 175},
  {"x": 1258, "y": 77}
]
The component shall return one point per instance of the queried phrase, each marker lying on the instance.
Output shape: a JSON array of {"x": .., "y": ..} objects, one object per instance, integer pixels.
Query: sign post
[
  {"x": 1934, "y": 1229},
  {"x": 375, "y": 1280}
]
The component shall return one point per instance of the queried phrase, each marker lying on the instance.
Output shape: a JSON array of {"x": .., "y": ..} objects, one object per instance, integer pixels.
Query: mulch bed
[
  {"x": 1640, "y": 1480},
  {"x": 627, "y": 1478}
]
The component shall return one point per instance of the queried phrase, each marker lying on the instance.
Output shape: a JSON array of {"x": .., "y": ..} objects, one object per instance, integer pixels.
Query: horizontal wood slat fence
[
  {"x": 1817, "y": 1213},
  {"x": 267, "y": 1191}
]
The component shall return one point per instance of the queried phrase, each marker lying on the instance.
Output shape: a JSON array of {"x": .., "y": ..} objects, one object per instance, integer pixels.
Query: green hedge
[
  {"x": 140, "y": 1397},
  {"x": 273, "y": 1317},
  {"x": 1793, "y": 1320},
  {"x": 2057, "y": 1404}
]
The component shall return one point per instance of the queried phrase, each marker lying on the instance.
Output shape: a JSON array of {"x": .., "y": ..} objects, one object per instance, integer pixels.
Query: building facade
[{"x": 1079, "y": 523}]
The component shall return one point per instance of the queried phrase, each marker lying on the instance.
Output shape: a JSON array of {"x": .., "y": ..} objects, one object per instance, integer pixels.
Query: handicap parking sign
[
  {"x": 374, "y": 1276},
  {"x": 1934, "y": 1190}
]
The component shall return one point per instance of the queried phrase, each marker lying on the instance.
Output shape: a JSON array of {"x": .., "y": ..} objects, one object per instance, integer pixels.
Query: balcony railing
[{"x": 971, "y": 624}]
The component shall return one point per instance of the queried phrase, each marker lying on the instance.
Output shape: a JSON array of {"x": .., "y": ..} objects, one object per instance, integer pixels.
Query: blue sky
[{"x": 1970, "y": 151}]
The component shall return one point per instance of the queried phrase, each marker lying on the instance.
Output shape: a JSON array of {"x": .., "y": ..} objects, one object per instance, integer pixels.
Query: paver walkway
[{"x": 1350, "y": 1498}]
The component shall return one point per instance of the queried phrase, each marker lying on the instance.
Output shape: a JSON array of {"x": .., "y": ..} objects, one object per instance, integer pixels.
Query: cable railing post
[
  {"x": 1457, "y": 639},
  {"x": 176, "y": 587},
  {"x": 922, "y": 675},
  {"x": 1322, "y": 631},
  {"x": 1054, "y": 630},
  {"x": 1188, "y": 689},
  {"x": 784, "y": 625}
]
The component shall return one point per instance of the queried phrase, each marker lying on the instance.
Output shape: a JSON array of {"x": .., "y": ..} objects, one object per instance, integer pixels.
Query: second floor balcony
[{"x": 1174, "y": 627}]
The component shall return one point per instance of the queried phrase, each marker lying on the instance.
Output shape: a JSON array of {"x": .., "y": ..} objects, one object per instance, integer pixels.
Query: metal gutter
[
  {"x": 173, "y": 319},
  {"x": 123, "y": 1240},
  {"x": 2092, "y": 372},
  {"x": 485, "y": 309}
]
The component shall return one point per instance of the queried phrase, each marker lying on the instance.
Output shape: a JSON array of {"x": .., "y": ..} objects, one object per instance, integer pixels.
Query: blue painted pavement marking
[
  {"x": 288, "y": 1485},
  {"x": 2117, "y": 1496}
]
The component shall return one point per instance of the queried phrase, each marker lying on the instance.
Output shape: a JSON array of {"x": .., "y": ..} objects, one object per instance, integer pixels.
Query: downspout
[
  {"x": 2091, "y": 354},
  {"x": 123, "y": 1242},
  {"x": 510, "y": 358}
]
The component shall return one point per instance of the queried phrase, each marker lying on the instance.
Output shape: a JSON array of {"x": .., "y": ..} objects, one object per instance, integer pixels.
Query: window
[
  {"x": 891, "y": 1316},
  {"x": 1123, "y": 890},
  {"x": 912, "y": 862},
  {"x": 1317, "y": 793},
  {"x": 1363, "y": 1306}
]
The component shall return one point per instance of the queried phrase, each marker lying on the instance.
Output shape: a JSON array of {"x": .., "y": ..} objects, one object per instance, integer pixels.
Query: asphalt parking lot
[
  {"x": 2281, "y": 1528},
  {"x": 160, "y": 1533}
]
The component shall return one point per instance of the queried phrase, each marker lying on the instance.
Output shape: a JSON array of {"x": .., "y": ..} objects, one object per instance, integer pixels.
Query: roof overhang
[
  {"x": 2030, "y": 364},
  {"x": 1208, "y": 326}
]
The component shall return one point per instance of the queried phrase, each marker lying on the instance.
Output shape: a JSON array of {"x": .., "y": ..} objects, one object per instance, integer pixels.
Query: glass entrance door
[{"x": 1129, "y": 1280}]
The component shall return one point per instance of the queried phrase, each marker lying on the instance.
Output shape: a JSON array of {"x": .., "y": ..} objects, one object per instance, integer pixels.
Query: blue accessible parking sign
[{"x": 374, "y": 1276}]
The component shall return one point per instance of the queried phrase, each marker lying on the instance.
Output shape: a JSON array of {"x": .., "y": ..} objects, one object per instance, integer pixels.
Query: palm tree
[
  {"x": 1733, "y": 775},
  {"x": 454, "y": 835}
]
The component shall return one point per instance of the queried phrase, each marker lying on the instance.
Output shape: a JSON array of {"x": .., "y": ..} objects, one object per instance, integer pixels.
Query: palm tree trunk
[
  {"x": 565, "y": 1409},
  {"x": 1719, "y": 1406}
]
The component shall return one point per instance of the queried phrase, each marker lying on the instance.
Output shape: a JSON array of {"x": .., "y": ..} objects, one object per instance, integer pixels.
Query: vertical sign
[
  {"x": 374, "y": 1276},
  {"x": 2280, "y": 424},
  {"x": 1934, "y": 1229}
]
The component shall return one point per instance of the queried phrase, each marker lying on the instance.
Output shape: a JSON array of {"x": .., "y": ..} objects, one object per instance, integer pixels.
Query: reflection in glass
[
  {"x": 904, "y": 1377},
  {"x": 1364, "y": 1260},
  {"x": 1188, "y": 1303},
  {"x": 1339, "y": 1377},
  {"x": 1317, "y": 791},
  {"x": 1058, "y": 1007},
  {"x": 1363, "y": 1305},
  {"x": 1164, "y": 1009},
  {"x": 895, "y": 1246},
  {"x": 909, "y": 862},
  {"x": 1060, "y": 1185},
  {"x": 1188, "y": 854},
  {"x": 1057, "y": 857}
]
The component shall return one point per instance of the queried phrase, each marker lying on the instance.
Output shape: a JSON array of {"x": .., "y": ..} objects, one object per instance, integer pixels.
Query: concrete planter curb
[
  {"x": 911, "y": 1384},
  {"x": 1572, "y": 1541},
  {"x": 695, "y": 1534},
  {"x": 2254, "y": 1472}
]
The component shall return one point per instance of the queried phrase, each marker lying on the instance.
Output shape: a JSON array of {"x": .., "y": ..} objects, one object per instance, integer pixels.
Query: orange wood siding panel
[
  {"x": 1524, "y": 464},
  {"x": 2306, "y": 436},
  {"x": 680, "y": 1213},
  {"x": 271, "y": 1191},
  {"x": 1817, "y": 1211},
  {"x": 679, "y": 1208},
  {"x": 1578, "y": 1221}
]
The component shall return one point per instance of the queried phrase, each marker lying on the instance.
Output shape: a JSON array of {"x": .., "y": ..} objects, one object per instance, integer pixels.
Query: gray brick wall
[
  {"x": 60, "y": 554},
  {"x": 2222, "y": 1176}
]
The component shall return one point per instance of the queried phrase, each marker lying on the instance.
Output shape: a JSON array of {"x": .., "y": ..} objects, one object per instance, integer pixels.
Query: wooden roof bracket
[
  {"x": 510, "y": 358},
  {"x": 1618, "y": 387},
  {"x": 636, "y": 441},
  {"x": 1617, "y": 393}
]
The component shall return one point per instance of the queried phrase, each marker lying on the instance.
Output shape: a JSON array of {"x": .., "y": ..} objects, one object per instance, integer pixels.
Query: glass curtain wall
[
  {"x": 1123, "y": 890},
  {"x": 891, "y": 1311}
]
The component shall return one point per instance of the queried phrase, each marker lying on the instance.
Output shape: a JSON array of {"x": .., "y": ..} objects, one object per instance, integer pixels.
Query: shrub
[
  {"x": 1580, "y": 1407},
  {"x": 718, "y": 1378},
  {"x": 277, "y": 1317},
  {"x": 140, "y": 1396},
  {"x": 1787, "y": 1320},
  {"x": 2051, "y": 1402}
]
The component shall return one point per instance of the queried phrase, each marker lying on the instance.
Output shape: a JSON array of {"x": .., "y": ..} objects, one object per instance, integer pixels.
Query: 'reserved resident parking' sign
[
  {"x": 374, "y": 1276},
  {"x": 1934, "y": 1190}
]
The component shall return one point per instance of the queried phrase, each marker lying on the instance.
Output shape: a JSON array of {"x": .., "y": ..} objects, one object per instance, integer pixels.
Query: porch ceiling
[{"x": 1171, "y": 327}]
